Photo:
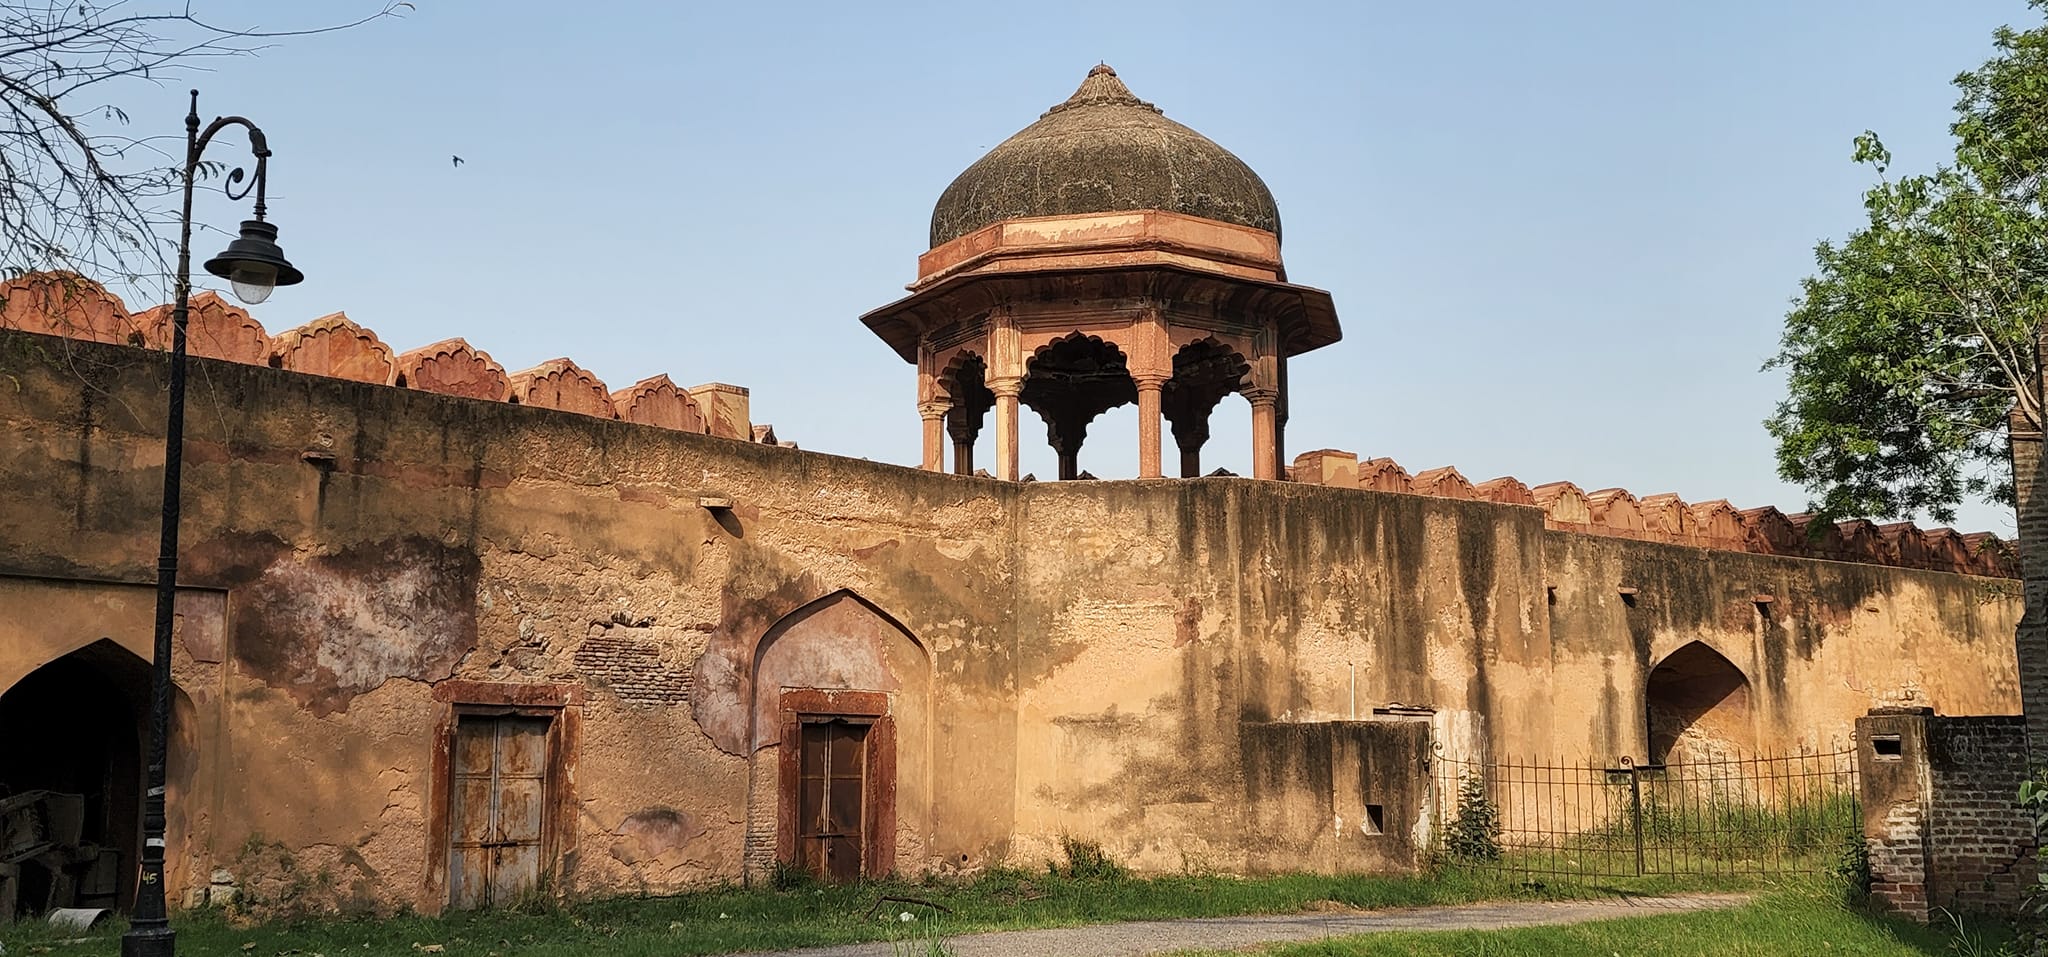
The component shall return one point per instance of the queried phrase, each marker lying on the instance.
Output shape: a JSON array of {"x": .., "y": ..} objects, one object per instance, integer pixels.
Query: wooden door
[
  {"x": 498, "y": 808},
  {"x": 831, "y": 793}
]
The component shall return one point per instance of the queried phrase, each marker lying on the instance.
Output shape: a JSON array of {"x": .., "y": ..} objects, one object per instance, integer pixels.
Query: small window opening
[
  {"x": 1628, "y": 597},
  {"x": 1886, "y": 746},
  {"x": 1550, "y": 592},
  {"x": 1375, "y": 821},
  {"x": 1763, "y": 610}
]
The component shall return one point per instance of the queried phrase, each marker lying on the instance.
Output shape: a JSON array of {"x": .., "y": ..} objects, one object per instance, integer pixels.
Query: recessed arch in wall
[
  {"x": 1698, "y": 707},
  {"x": 837, "y": 649}
]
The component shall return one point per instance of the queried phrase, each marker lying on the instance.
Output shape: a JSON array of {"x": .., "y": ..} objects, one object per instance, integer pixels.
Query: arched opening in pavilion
[
  {"x": 1204, "y": 371},
  {"x": 1068, "y": 383}
]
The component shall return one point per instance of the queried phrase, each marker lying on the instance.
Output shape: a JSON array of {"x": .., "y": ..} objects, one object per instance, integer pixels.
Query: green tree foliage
[{"x": 1915, "y": 338}]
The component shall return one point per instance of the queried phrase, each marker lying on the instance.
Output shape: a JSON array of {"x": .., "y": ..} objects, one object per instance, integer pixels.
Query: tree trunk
[{"x": 2031, "y": 642}]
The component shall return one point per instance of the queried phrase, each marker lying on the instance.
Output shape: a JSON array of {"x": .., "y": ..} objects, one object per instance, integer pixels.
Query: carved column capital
[
  {"x": 1150, "y": 382},
  {"x": 934, "y": 409},
  {"x": 1006, "y": 386},
  {"x": 1262, "y": 397}
]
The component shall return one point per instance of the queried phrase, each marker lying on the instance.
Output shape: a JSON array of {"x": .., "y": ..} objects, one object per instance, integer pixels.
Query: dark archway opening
[
  {"x": 1204, "y": 372},
  {"x": 71, "y": 763},
  {"x": 1698, "y": 708},
  {"x": 1070, "y": 382}
]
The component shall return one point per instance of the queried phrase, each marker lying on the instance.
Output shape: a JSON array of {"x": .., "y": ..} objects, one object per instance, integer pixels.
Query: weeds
[
  {"x": 1474, "y": 837},
  {"x": 1086, "y": 861}
]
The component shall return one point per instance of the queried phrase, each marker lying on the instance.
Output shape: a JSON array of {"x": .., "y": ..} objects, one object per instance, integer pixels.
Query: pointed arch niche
[
  {"x": 1698, "y": 708},
  {"x": 90, "y": 709},
  {"x": 842, "y": 671}
]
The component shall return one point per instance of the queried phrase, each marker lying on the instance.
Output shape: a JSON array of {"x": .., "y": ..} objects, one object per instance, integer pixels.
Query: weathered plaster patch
[{"x": 326, "y": 628}]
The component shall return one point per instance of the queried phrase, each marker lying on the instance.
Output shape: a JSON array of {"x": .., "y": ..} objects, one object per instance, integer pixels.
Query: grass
[
  {"x": 731, "y": 919},
  {"x": 1799, "y": 921}
]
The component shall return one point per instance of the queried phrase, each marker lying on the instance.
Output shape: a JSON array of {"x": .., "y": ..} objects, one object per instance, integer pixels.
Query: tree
[
  {"x": 1918, "y": 336},
  {"x": 1914, "y": 355},
  {"x": 76, "y": 192}
]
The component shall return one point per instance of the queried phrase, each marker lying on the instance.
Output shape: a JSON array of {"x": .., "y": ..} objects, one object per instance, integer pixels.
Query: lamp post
[{"x": 253, "y": 266}]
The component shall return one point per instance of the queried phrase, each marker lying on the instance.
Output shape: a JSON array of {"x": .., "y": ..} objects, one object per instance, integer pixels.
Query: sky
[{"x": 1561, "y": 237}]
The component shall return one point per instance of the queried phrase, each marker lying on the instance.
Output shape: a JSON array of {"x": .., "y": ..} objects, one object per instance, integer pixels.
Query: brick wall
[{"x": 1940, "y": 815}]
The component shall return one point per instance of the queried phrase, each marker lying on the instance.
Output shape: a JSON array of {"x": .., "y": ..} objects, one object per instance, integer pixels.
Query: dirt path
[{"x": 1227, "y": 933}]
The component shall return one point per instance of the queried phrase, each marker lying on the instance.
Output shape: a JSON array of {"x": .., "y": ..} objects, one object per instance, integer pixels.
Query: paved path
[{"x": 1228, "y": 933}]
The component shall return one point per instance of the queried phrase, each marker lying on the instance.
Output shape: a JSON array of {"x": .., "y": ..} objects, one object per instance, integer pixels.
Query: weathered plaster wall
[
  {"x": 1096, "y": 651},
  {"x": 1820, "y": 642},
  {"x": 372, "y": 541}
]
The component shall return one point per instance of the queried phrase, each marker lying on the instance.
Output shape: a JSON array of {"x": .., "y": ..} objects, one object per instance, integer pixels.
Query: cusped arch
[{"x": 1697, "y": 707}]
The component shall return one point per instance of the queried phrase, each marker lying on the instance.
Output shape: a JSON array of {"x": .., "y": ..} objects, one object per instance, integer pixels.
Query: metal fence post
[{"x": 1635, "y": 806}]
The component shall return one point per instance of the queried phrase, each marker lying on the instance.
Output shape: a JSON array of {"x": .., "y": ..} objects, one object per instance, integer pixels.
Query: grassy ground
[
  {"x": 732, "y": 919},
  {"x": 1790, "y": 922}
]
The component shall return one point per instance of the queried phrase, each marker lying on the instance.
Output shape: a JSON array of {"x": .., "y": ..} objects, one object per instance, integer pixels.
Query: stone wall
[
  {"x": 1095, "y": 659},
  {"x": 1940, "y": 812}
]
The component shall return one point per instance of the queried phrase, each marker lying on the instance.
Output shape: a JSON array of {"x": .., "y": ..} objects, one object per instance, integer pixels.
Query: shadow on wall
[{"x": 1699, "y": 710}]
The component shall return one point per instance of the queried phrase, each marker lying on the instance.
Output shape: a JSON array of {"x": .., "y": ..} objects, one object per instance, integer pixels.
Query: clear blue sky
[{"x": 1561, "y": 237}]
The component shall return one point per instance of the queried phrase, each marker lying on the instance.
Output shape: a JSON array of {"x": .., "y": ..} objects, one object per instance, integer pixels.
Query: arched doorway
[
  {"x": 839, "y": 719},
  {"x": 1698, "y": 708},
  {"x": 79, "y": 774}
]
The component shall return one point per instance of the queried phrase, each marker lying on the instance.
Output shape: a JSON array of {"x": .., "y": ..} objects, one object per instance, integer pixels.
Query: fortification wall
[{"x": 1105, "y": 659}]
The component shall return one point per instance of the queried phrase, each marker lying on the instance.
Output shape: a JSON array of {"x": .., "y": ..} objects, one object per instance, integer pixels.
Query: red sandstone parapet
[
  {"x": 1443, "y": 482},
  {"x": 1382, "y": 475},
  {"x": 214, "y": 328},
  {"x": 657, "y": 401},
  {"x": 69, "y": 305},
  {"x": 64, "y": 304},
  {"x": 1667, "y": 518},
  {"x": 453, "y": 367},
  {"x": 334, "y": 346},
  {"x": 564, "y": 386},
  {"x": 1505, "y": 490}
]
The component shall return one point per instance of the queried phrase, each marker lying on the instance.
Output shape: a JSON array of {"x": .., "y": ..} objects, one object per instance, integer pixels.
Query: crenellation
[
  {"x": 453, "y": 367},
  {"x": 214, "y": 328},
  {"x": 334, "y": 346},
  {"x": 68, "y": 305},
  {"x": 1444, "y": 482}
]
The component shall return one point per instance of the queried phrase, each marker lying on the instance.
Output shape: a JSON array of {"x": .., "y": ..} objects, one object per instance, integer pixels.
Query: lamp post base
[{"x": 149, "y": 942}]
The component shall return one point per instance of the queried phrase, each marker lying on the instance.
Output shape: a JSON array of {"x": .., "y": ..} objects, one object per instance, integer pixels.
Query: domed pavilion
[{"x": 1103, "y": 255}]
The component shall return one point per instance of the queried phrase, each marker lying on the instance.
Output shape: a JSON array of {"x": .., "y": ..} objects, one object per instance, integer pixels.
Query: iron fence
[{"x": 1794, "y": 814}]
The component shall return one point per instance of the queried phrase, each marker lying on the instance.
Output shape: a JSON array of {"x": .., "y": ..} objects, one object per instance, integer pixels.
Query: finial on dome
[{"x": 1101, "y": 88}]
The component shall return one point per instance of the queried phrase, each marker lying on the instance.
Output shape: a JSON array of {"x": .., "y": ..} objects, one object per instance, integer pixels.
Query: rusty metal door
[
  {"x": 497, "y": 808},
  {"x": 831, "y": 788}
]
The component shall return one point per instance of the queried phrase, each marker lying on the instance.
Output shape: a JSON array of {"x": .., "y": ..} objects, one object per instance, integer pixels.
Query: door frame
[
  {"x": 562, "y": 705},
  {"x": 878, "y": 800}
]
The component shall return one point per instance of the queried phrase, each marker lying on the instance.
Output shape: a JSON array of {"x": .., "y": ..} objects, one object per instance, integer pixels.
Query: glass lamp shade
[
  {"x": 254, "y": 264},
  {"x": 253, "y": 282}
]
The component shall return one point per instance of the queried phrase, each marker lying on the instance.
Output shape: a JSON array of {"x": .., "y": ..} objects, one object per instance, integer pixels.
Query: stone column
[
  {"x": 1148, "y": 426},
  {"x": 1265, "y": 432},
  {"x": 963, "y": 447},
  {"x": 934, "y": 414},
  {"x": 1006, "y": 390}
]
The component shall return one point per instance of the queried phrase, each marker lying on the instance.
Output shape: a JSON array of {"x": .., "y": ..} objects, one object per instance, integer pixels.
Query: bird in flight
[{"x": 458, "y": 160}]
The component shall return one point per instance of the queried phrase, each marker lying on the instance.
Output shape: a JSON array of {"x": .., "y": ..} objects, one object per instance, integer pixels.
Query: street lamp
[{"x": 253, "y": 265}]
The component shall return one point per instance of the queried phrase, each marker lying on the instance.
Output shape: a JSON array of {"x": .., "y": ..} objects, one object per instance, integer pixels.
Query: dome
[{"x": 1103, "y": 150}]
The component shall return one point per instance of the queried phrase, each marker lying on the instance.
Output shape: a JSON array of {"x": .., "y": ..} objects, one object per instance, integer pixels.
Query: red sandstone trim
[
  {"x": 1668, "y": 519},
  {"x": 69, "y": 305}
]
